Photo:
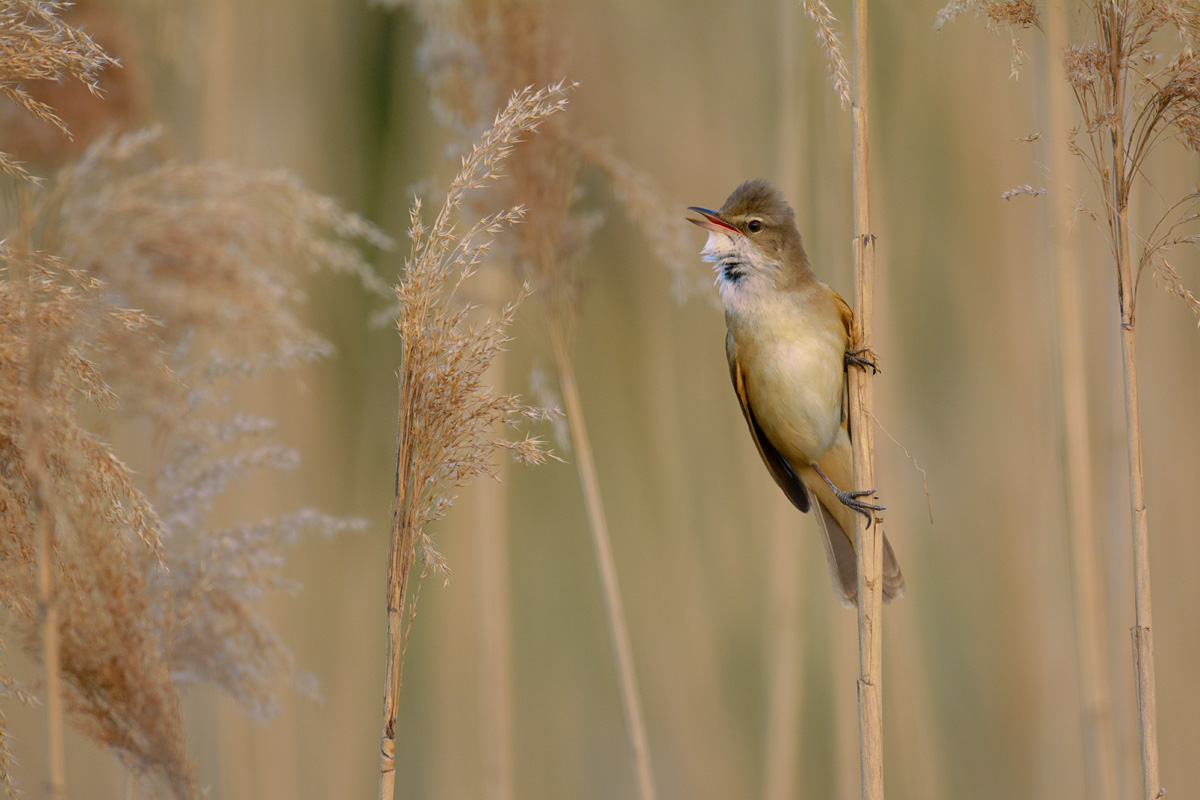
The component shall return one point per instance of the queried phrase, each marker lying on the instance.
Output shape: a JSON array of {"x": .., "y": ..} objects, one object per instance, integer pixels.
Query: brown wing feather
[
  {"x": 847, "y": 315},
  {"x": 779, "y": 468}
]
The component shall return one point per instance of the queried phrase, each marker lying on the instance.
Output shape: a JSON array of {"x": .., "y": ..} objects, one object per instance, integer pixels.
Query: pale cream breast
[{"x": 794, "y": 370}]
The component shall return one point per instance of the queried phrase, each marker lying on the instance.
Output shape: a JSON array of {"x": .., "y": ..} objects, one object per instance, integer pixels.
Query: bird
[{"x": 789, "y": 342}]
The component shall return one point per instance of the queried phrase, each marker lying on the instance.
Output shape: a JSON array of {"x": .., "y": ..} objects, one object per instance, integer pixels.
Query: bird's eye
[{"x": 754, "y": 225}]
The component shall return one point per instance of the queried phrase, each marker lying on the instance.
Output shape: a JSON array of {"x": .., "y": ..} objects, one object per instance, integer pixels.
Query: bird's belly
[{"x": 797, "y": 397}]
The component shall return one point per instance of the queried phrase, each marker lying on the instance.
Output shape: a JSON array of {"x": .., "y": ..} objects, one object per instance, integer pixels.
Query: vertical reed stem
[
  {"x": 1114, "y": 18},
  {"x": 56, "y": 782},
  {"x": 56, "y": 778},
  {"x": 870, "y": 541},
  {"x": 399, "y": 562},
  {"x": 618, "y": 629},
  {"x": 1143, "y": 648},
  {"x": 1096, "y": 720}
]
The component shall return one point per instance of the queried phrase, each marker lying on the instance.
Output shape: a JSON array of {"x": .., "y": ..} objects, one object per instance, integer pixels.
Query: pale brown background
[{"x": 980, "y": 699}]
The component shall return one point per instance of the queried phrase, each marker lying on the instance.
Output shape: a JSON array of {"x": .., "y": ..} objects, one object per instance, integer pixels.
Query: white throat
[{"x": 741, "y": 275}]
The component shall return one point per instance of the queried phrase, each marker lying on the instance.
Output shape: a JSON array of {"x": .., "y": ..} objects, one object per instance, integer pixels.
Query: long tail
[{"x": 839, "y": 525}]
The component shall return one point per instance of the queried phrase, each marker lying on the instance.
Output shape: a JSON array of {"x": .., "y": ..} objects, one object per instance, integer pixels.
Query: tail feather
[
  {"x": 839, "y": 524},
  {"x": 843, "y": 562}
]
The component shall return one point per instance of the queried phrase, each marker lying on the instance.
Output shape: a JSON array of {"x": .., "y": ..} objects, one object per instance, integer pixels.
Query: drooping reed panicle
[
  {"x": 218, "y": 255},
  {"x": 64, "y": 486},
  {"x": 154, "y": 594},
  {"x": 36, "y": 44}
]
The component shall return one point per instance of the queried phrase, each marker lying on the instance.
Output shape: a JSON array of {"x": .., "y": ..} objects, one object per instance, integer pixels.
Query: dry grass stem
[{"x": 447, "y": 431}]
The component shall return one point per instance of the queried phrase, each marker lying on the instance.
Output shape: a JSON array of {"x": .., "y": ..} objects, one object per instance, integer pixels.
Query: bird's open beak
[{"x": 712, "y": 220}]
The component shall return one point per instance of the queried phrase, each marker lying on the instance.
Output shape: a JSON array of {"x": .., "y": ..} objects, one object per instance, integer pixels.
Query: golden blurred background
[{"x": 745, "y": 660}]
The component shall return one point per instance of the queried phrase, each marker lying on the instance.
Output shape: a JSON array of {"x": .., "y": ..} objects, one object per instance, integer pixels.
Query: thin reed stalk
[
  {"x": 618, "y": 627},
  {"x": 56, "y": 778},
  {"x": 1091, "y": 620},
  {"x": 1112, "y": 23},
  {"x": 870, "y": 542},
  {"x": 1143, "y": 646},
  {"x": 1132, "y": 98},
  {"x": 34, "y": 405}
]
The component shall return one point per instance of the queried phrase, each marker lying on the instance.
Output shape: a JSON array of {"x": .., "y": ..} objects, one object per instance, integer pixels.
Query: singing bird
[{"x": 788, "y": 344}]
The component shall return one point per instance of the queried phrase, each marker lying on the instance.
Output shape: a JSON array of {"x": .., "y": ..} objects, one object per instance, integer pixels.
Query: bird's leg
[
  {"x": 862, "y": 358},
  {"x": 850, "y": 499}
]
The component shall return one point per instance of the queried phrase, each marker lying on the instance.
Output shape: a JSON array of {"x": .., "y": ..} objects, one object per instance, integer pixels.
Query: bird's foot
[
  {"x": 863, "y": 358},
  {"x": 851, "y": 501}
]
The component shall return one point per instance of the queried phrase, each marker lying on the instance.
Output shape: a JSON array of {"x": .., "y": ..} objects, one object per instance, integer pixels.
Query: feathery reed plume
[
  {"x": 1131, "y": 100},
  {"x": 1013, "y": 14},
  {"x": 36, "y": 44},
  {"x": 216, "y": 254},
  {"x": 65, "y": 487},
  {"x": 151, "y": 593},
  {"x": 447, "y": 431},
  {"x": 839, "y": 71},
  {"x": 647, "y": 205}
]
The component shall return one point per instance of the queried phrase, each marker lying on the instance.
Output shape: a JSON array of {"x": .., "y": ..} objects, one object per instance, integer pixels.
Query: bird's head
[{"x": 753, "y": 241}]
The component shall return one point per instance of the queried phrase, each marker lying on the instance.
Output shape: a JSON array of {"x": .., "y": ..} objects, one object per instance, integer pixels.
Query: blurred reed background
[{"x": 746, "y": 662}]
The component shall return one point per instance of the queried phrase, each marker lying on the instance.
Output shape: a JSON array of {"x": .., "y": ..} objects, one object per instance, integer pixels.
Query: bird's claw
[
  {"x": 862, "y": 358},
  {"x": 851, "y": 501}
]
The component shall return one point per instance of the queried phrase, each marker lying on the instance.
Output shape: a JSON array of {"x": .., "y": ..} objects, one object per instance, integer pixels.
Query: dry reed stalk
[
  {"x": 618, "y": 626},
  {"x": 869, "y": 545},
  {"x": 1091, "y": 620},
  {"x": 48, "y": 610},
  {"x": 447, "y": 415},
  {"x": 870, "y": 542},
  {"x": 1131, "y": 99}
]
